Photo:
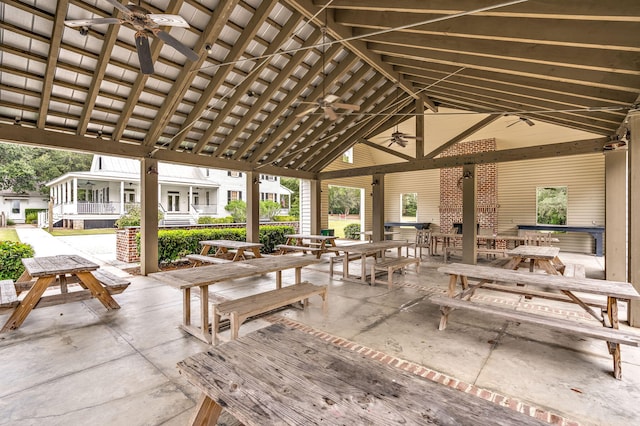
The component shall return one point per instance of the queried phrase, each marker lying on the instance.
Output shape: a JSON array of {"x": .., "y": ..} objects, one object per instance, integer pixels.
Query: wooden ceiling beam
[
  {"x": 386, "y": 149},
  {"x": 188, "y": 73},
  {"x": 587, "y": 146},
  {"x": 238, "y": 49},
  {"x": 463, "y": 135}
]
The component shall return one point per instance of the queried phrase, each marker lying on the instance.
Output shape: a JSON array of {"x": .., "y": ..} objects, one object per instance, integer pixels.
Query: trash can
[{"x": 327, "y": 232}]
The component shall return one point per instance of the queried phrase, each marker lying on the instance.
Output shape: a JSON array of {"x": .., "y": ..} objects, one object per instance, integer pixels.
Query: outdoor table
[
  {"x": 205, "y": 276},
  {"x": 544, "y": 257},
  {"x": 445, "y": 237},
  {"x": 321, "y": 242},
  {"x": 283, "y": 376},
  {"x": 369, "y": 234},
  {"x": 364, "y": 250},
  {"x": 223, "y": 246},
  {"x": 46, "y": 270}
]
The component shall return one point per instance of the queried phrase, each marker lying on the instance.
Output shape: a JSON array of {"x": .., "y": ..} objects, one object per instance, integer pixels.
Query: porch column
[
  {"x": 74, "y": 195},
  {"x": 149, "y": 216},
  {"x": 634, "y": 214},
  {"x": 469, "y": 247},
  {"x": 616, "y": 215},
  {"x": 121, "y": 197},
  {"x": 190, "y": 198},
  {"x": 316, "y": 202},
  {"x": 253, "y": 207},
  {"x": 377, "y": 192},
  {"x": 419, "y": 128}
]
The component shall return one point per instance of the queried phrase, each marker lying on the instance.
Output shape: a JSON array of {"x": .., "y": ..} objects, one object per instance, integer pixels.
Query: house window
[
  {"x": 234, "y": 196},
  {"x": 268, "y": 196},
  {"x": 409, "y": 207},
  {"x": 284, "y": 200},
  {"x": 347, "y": 157},
  {"x": 234, "y": 174},
  {"x": 268, "y": 178},
  {"x": 15, "y": 206},
  {"x": 99, "y": 163},
  {"x": 551, "y": 205}
]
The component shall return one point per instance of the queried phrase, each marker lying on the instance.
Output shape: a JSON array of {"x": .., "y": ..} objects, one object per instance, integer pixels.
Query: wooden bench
[
  {"x": 304, "y": 249},
  {"x": 391, "y": 265},
  {"x": 480, "y": 250},
  {"x": 8, "y": 295},
  {"x": 113, "y": 283},
  {"x": 199, "y": 259},
  {"x": 239, "y": 310},
  {"x": 338, "y": 259},
  {"x": 574, "y": 327}
]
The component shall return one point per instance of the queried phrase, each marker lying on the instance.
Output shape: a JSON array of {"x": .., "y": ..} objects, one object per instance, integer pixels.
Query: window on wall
[
  {"x": 409, "y": 207},
  {"x": 347, "y": 157},
  {"x": 234, "y": 174},
  {"x": 15, "y": 206},
  {"x": 234, "y": 196},
  {"x": 551, "y": 205}
]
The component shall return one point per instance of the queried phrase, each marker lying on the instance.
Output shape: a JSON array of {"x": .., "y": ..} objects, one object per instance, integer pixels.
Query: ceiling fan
[
  {"x": 145, "y": 24},
  {"x": 522, "y": 119},
  {"x": 329, "y": 105}
]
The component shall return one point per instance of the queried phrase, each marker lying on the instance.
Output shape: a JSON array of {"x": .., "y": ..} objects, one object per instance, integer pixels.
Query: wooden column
[
  {"x": 316, "y": 203},
  {"x": 634, "y": 214},
  {"x": 419, "y": 129},
  {"x": 616, "y": 215},
  {"x": 377, "y": 190},
  {"x": 253, "y": 207},
  {"x": 149, "y": 216},
  {"x": 469, "y": 248}
]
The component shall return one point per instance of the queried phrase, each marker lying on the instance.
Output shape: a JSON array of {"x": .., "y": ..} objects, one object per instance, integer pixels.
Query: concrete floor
[{"x": 78, "y": 364}]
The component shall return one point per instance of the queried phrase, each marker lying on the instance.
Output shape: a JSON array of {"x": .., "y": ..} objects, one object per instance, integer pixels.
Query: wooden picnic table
[
  {"x": 283, "y": 376},
  {"x": 223, "y": 246},
  {"x": 362, "y": 250},
  {"x": 369, "y": 234},
  {"x": 316, "y": 244},
  {"x": 551, "y": 285},
  {"x": 543, "y": 257},
  {"x": 205, "y": 276},
  {"x": 45, "y": 271},
  {"x": 490, "y": 241}
]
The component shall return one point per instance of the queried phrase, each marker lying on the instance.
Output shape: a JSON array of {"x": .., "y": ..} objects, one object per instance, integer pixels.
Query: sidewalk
[{"x": 100, "y": 249}]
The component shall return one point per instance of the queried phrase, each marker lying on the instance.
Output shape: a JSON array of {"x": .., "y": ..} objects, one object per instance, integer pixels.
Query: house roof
[{"x": 574, "y": 63}]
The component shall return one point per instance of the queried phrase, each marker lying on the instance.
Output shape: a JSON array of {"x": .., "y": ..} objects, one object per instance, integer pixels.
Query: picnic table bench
[
  {"x": 282, "y": 376},
  {"x": 239, "y": 310},
  {"x": 390, "y": 265},
  {"x": 495, "y": 278},
  {"x": 314, "y": 244}
]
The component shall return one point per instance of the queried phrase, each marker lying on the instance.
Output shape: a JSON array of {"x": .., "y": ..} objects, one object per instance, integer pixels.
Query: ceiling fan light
[{"x": 208, "y": 48}]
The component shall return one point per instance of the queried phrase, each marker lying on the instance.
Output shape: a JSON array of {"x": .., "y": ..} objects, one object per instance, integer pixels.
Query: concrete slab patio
[{"x": 78, "y": 364}]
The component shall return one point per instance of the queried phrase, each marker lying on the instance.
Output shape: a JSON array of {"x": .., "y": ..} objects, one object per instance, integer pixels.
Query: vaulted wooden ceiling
[{"x": 575, "y": 63}]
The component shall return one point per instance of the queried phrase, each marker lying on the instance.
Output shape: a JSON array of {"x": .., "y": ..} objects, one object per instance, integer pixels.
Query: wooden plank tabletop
[
  {"x": 211, "y": 274},
  {"x": 534, "y": 252},
  {"x": 364, "y": 248},
  {"x": 279, "y": 375},
  {"x": 311, "y": 237},
  {"x": 618, "y": 289},
  {"x": 230, "y": 244},
  {"x": 55, "y": 265}
]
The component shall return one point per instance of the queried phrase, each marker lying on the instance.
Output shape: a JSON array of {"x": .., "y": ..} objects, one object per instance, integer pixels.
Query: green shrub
[
  {"x": 132, "y": 217},
  {"x": 10, "y": 222},
  {"x": 352, "y": 231},
  {"x": 11, "y": 255},
  {"x": 269, "y": 209},
  {"x": 176, "y": 243},
  {"x": 207, "y": 220},
  {"x": 238, "y": 210},
  {"x": 31, "y": 215},
  {"x": 285, "y": 219}
]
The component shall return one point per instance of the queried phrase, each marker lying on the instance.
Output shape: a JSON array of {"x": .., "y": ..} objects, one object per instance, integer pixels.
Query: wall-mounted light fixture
[
  {"x": 84, "y": 31},
  {"x": 375, "y": 182},
  {"x": 256, "y": 181},
  {"x": 16, "y": 121},
  {"x": 152, "y": 170},
  {"x": 467, "y": 175},
  {"x": 208, "y": 48}
]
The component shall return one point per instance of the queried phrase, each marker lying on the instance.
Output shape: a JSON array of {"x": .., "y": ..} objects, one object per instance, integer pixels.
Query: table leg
[
  {"x": 239, "y": 255},
  {"x": 614, "y": 348},
  {"x": 278, "y": 279},
  {"x": 204, "y": 313},
  {"x": 363, "y": 269},
  {"x": 25, "y": 307},
  {"x": 186, "y": 306},
  {"x": 345, "y": 265},
  {"x": 97, "y": 290},
  {"x": 298, "y": 275},
  {"x": 256, "y": 252},
  {"x": 207, "y": 412},
  {"x": 205, "y": 250}
]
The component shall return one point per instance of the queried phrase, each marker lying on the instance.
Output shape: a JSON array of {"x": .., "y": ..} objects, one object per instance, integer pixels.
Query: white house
[
  {"x": 14, "y": 205},
  {"x": 95, "y": 199}
]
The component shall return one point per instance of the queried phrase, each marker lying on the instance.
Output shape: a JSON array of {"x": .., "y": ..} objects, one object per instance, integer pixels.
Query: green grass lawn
[
  {"x": 338, "y": 224},
  {"x": 71, "y": 232},
  {"x": 9, "y": 234}
]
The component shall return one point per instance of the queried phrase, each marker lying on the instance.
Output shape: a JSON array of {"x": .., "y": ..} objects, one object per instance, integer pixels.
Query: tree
[
  {"x": 294, "y": 185},
  {"x": 238, "y": 210},
  {"x": 24, "y": 168},
  {"x": 343, "y": 199},
  {"x": 269, "y": 209},
  {"x": 552, "y": 205}
]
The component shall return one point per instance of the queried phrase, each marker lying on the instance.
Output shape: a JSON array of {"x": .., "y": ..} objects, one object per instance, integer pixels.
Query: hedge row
[
  {"x": 176, "y": 243},
  {"x": 11, "y": 255}
]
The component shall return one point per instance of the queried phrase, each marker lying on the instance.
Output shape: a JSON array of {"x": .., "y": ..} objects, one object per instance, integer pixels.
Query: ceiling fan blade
[
  {"x": 329, "y": 112},
  {"x": 403, "y": 143},
  {"x": 89, "y": 22},
  {"x": 173, "y": 42},
  {"x": 120, "y": 6},
  {"x": 168, "y": 20},
  {"x": 409, "y": 137},
  {"x": 144, "y": 53},
  {"x": 350, "y": 107},
  {"x": 306, "y": 111}
]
